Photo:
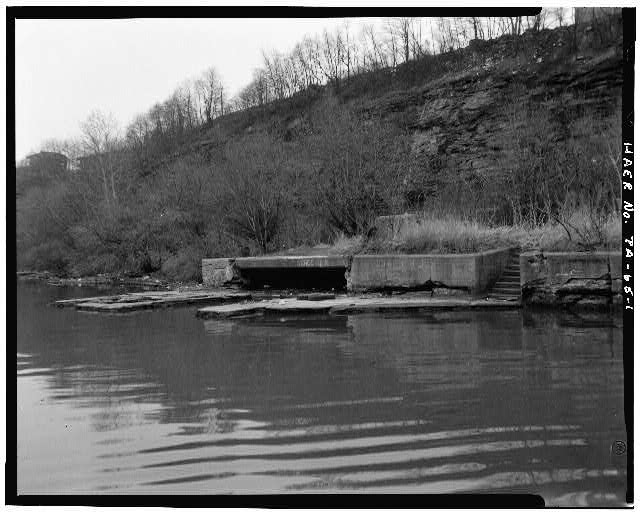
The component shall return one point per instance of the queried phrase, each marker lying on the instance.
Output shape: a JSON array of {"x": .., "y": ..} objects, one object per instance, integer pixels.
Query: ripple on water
[{"x": 161, "y": 402}]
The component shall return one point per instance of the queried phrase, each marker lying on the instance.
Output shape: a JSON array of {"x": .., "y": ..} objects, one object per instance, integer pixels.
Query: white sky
[{"x": 67, "y": 68}]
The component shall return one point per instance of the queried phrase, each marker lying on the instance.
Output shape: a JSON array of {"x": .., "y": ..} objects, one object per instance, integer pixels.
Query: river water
[{"x": 448, "y": 402}]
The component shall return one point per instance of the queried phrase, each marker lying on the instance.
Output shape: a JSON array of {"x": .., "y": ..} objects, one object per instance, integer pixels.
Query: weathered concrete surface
[
  {"x": 370, "y": 272},
  {"x": 582, "y": 279},
  {"x": 441, "y": 273},
  {"x": 217, "y": 272},
  {"x": 140, "y": 301},
  {"x": 292, "y": 261},
  {"x": 348, "y": 304},
  {"x": 391, "y": 227},
  {"x": 471, "y": 272}
]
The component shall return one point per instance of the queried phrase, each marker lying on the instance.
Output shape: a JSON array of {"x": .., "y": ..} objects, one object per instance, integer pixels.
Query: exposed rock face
[
  {"x": 571, "y": 279},
  {"x": 466, "y": 118},
  {"x": 218, "y": 272}
]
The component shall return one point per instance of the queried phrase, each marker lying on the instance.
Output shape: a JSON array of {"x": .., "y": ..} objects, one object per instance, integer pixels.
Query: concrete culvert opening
[{"x": 320, "y": 279}]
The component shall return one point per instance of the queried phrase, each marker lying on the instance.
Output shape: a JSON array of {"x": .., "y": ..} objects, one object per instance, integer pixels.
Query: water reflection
[{"x": 436, "y": 402}]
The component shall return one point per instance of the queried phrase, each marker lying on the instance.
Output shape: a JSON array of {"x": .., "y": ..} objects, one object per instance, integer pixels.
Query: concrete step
[
  {"x": 510, "y": 287},
  {"x": 510, "y": 280},
  {"x": 501, "y": 291}
]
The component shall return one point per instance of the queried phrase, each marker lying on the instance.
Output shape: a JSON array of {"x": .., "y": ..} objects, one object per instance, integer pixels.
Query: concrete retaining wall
[
  {"x": 472, "y": 272},
  {"x": 465, "y": 272},
  {"x": 571, "y": 278}
]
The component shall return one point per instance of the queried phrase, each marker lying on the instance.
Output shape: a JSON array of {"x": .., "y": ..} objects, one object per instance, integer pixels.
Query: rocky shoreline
[
  {"x": 96, "y": 281},
  {"x": 572, "y": 280}
]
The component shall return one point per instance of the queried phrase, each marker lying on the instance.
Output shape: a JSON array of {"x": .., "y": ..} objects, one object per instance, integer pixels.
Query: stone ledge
[
  {"x": 293, "y": 261},
  {"x": 350, "y": 305},
  {"x": 578, "y": 279},
  {"x": 140, "y": 301}
]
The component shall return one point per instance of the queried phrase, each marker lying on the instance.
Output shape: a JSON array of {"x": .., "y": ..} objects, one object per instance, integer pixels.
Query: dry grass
[
  {"x": 451, "y": 235},
  {"x": 344, "y": 245}
]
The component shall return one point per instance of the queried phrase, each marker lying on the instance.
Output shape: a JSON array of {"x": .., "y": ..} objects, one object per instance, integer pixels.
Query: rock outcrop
[
  {"x": 466, "y": 118},
  {"x": 571, "y": 279}
]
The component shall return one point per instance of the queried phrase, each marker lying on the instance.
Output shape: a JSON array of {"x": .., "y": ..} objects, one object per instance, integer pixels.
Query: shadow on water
[{"x": 440, "y": 402}]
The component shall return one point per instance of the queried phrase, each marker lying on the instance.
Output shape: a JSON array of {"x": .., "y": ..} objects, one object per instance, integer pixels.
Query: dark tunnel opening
[{"x": 318, "y": 279}]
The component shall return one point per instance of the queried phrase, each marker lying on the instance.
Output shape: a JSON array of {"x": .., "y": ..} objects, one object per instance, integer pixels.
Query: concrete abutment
[{"x": 472, "y": 273}]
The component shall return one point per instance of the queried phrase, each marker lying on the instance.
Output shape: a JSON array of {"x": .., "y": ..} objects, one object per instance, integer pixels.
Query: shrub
[
  {"x": 185, "y": 266},
  {"x": 95, "y": 265},
  {"x": 50, "y": 255},
  {"x": 255, "y": 167},
  {"x": 361, "y": 163}
]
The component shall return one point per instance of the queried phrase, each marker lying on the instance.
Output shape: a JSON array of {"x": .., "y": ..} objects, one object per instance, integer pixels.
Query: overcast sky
[{"x": 66, "y": 68}]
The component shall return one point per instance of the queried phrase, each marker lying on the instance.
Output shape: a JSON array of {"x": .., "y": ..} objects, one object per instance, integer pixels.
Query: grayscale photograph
[{"x": 299, "y": 253}]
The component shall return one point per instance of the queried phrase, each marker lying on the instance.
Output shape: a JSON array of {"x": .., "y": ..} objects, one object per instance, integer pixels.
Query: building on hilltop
[{"x": 46, "y": 163}]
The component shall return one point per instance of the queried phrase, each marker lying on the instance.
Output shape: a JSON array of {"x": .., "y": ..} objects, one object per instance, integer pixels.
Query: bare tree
[
  {"x": 392, "y": 42},
  {"x": 404, "y": 27},
  {"x": 208, "y": 88},
  {"x": 376, "y": 56},
  {"x": 101, "y": 141}
]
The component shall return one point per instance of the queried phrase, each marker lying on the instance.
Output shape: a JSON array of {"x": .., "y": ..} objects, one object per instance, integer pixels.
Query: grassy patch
[{"x": 435, "y": 235}]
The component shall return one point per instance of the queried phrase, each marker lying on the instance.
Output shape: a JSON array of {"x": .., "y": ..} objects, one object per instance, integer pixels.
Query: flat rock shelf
[
  {"x": 349, "y": 305},
  {"x": 152, "y": 300}
]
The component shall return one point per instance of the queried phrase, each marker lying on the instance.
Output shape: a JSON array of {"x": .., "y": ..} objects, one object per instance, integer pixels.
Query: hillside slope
[
  {"x": 509, "y": 131},
  {"x": 462, "y": 111},
  {"x": 458, "y": 105}
]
